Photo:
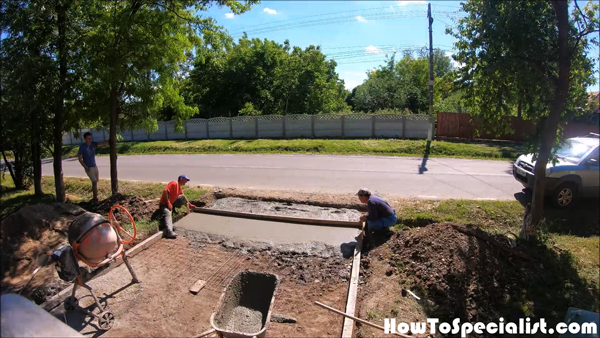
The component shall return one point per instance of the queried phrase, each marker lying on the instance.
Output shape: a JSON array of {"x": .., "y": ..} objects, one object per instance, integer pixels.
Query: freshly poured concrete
[{"x": 277, "y": 232}]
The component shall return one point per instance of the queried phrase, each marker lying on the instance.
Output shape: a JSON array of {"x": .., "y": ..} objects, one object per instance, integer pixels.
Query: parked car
[{"x": 574, "y": 174}]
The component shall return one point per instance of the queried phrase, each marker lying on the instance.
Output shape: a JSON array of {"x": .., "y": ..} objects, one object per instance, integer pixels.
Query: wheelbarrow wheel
[
  {"x": 71, "y": 303},
  {"x": 106, "y": 320}
]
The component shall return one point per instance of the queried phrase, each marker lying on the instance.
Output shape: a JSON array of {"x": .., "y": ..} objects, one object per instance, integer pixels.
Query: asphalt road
[{"x": 433, "y": 178}]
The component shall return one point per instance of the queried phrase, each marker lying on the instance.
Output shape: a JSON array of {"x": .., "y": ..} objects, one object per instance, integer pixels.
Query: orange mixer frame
[{"x": 106, "y": 317}]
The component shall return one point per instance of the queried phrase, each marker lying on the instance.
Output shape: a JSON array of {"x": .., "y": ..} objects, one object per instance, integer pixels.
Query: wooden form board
[
  {"x": 352, "y": 290},
  {"x": 311, "y": 221},
  {"x": 199, "y": 285}
]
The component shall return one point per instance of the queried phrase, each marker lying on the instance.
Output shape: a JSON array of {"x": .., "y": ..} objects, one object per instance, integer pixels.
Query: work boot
[{"x": 169, "y": 234}]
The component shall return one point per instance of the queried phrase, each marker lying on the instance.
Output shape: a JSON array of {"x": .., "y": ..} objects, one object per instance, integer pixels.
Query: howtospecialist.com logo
[{"x": 524, "y": 327}]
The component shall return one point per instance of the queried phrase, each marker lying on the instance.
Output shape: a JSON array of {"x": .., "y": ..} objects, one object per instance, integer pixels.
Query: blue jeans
[{"x": 381, "y": 223}]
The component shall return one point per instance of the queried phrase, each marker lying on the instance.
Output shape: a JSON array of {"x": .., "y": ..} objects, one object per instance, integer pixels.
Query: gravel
[{"x": 236, "y": 204}]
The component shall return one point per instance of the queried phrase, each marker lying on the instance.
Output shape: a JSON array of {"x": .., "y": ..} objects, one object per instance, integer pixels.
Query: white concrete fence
[{"x": 279, "y": 126}]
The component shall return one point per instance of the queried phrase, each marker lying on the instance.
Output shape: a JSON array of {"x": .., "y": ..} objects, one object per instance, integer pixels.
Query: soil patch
[
  {"x": 35, "y": 231},
  {"x": 461, "y": 276},
  {"x": 289, "y": 209},
  {"x": 137, "y": 207},
  {"x": 27, "y": 236},
  {"x": 162, "y": 305}
]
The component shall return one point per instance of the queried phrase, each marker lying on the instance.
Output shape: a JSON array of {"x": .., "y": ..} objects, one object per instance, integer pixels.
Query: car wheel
[{"x": 564, "y": 195}]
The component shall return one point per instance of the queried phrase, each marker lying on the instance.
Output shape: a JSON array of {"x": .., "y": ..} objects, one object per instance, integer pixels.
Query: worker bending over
[
  {"x": 172, "y": 197},
  {"x": 379, "y": 216}
]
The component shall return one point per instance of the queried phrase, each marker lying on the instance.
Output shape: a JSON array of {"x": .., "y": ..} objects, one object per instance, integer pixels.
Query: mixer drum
[{"x": 95, "y": 237}]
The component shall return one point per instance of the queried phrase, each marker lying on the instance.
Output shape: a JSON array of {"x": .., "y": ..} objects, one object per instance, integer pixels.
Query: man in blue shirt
[
  {"x": 379, "y": 216},
  {"x": 87, "y": 158}
]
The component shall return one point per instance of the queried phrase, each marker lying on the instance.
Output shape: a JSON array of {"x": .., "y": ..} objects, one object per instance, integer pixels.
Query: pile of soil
[
  {"x": 137, "y": 207},
  {"x": 27, "y": 236},
  {"x": 459, "y": 275}
]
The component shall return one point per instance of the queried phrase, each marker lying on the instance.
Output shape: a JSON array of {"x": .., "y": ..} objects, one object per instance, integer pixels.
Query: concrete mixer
[{"x": 96, "y": 242}]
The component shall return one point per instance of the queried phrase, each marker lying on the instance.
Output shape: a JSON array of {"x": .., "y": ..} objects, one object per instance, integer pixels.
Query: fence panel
[
  {"x": 218, "y": 127},
  {"x": 417, "y": 126},
  {"x": 297, "y": 126},
  {"x": 328, "y": 125},
  {"x": 172, "y": 134},
  {"x": 159, "y": 134},
  {"x": 358, "y": 125},
  {"x": 580, "y": 129},
  {"x": 243, "y": 126},
  {"x": 196, "y": 129},
  {"x": 270, "y": 126},
  {"x": 140, "y": 135},
  {"x": 388, "y": 125}
]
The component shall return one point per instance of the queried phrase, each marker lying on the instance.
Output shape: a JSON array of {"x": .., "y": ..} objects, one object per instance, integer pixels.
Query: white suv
[{"x": 576, "y": 172}]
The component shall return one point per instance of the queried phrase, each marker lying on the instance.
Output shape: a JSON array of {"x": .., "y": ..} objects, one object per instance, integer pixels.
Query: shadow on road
[
  {"x": 582, "y": 219},
  {"x": 423, "y": 165}
]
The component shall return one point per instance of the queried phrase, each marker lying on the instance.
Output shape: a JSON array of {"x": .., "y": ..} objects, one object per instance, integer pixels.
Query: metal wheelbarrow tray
[{"x": 244, "y": 309}]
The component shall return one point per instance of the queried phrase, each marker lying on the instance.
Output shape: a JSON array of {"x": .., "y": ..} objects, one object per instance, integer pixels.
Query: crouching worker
[
  {"x": 380, "y": 215},
  {"x": 172, "y": 197}
]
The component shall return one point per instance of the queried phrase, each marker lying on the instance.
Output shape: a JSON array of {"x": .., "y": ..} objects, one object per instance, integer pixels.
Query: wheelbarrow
[{"x": 244, "y": 308}]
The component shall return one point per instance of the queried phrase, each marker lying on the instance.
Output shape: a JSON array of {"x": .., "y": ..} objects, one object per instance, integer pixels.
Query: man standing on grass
[
  {"x": 172, "y": 197},
  {"x": 87, "y": 158},
  {"x": 379, "y": 216}
]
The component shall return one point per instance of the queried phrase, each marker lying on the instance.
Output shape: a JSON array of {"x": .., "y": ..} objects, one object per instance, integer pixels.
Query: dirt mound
[
  {"x": 137, "y": 207},
  {"x": 460, "y": 275},
  {"x": 28, "y": 234}
]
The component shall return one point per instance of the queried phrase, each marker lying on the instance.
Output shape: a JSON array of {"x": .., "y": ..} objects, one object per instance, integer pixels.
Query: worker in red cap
[{"x": 172, "y": 197}]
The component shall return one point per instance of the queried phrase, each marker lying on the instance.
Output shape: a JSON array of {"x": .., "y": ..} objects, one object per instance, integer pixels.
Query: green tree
[
  {"x": 531, "y": 51},
  {"x": 274, "y": 78},
  {"x": 403, "y": 85},
  {"x": 135, "y": 57}
]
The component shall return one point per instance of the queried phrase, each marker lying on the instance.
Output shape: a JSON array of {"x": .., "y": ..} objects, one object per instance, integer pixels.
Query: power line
[
  {"x": 333, "y": 20},
  {"x": 315, "y": 15}
]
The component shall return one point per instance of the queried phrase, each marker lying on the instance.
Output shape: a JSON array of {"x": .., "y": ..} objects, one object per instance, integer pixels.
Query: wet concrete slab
[{"x": 277, "y": 232}]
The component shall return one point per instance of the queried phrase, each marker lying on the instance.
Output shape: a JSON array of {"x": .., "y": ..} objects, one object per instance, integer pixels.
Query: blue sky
[{"x": 357, "y": 34}]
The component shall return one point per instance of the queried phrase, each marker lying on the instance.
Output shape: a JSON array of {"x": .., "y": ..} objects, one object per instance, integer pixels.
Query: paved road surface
[{"x": 441, "y": 178}]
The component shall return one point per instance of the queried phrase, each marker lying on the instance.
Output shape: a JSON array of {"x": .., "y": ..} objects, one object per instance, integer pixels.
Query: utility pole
[
  {"x": 430, "y": 60},
  {"x": 431, "y": 118}
]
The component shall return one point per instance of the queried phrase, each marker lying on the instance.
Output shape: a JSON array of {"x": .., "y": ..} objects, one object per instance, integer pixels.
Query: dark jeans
[{"x": 166, "y": 218}]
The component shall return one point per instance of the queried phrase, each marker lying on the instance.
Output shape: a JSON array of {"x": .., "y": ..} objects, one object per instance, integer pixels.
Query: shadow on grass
[
  {"x": 122, "y": 148},
  {"x": 582, "y": 219},
  {"x": 12, "y": 201},
  {"x": 493, "y": 284}
]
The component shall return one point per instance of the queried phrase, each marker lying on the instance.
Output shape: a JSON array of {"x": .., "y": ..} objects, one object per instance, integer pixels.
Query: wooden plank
[
  {"x": 199, "y": 285},
  {"x": 55, "y": 301},
  {"x": 352, "y": 290},
  {"x": 311, "y": 221}
]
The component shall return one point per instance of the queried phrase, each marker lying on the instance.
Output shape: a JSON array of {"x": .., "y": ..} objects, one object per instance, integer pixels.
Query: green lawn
[{"x": 464, "y": 149}]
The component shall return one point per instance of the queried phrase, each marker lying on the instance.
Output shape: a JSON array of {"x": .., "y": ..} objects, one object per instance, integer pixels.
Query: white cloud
[
  {"x": 360, "y": 18},
  {"x": 229, "y": 15},
  {"x": 270, "y": 11},
  {"x": 392, "y": 9},
  {"x": 448, "y": 54},
  {"x": 411, "y": 2},
  {"x": 355, "y": 74},
  {"x": 373, "y": 50}
]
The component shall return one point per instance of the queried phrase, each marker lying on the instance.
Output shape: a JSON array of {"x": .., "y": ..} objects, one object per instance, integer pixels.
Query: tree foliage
[
  {"x": 271, "y": 78},
  {"x": 530, "y": 52},
  {"x": 403, "y": 85}
]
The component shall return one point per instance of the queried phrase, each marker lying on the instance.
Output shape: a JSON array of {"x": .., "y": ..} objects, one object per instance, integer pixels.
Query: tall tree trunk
[
  {"x": 551, "y": 125},
  {"x": 59, "y": 182},
  {"x": 112, "y": 141},
  {"x": 36, "y": 155}
]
